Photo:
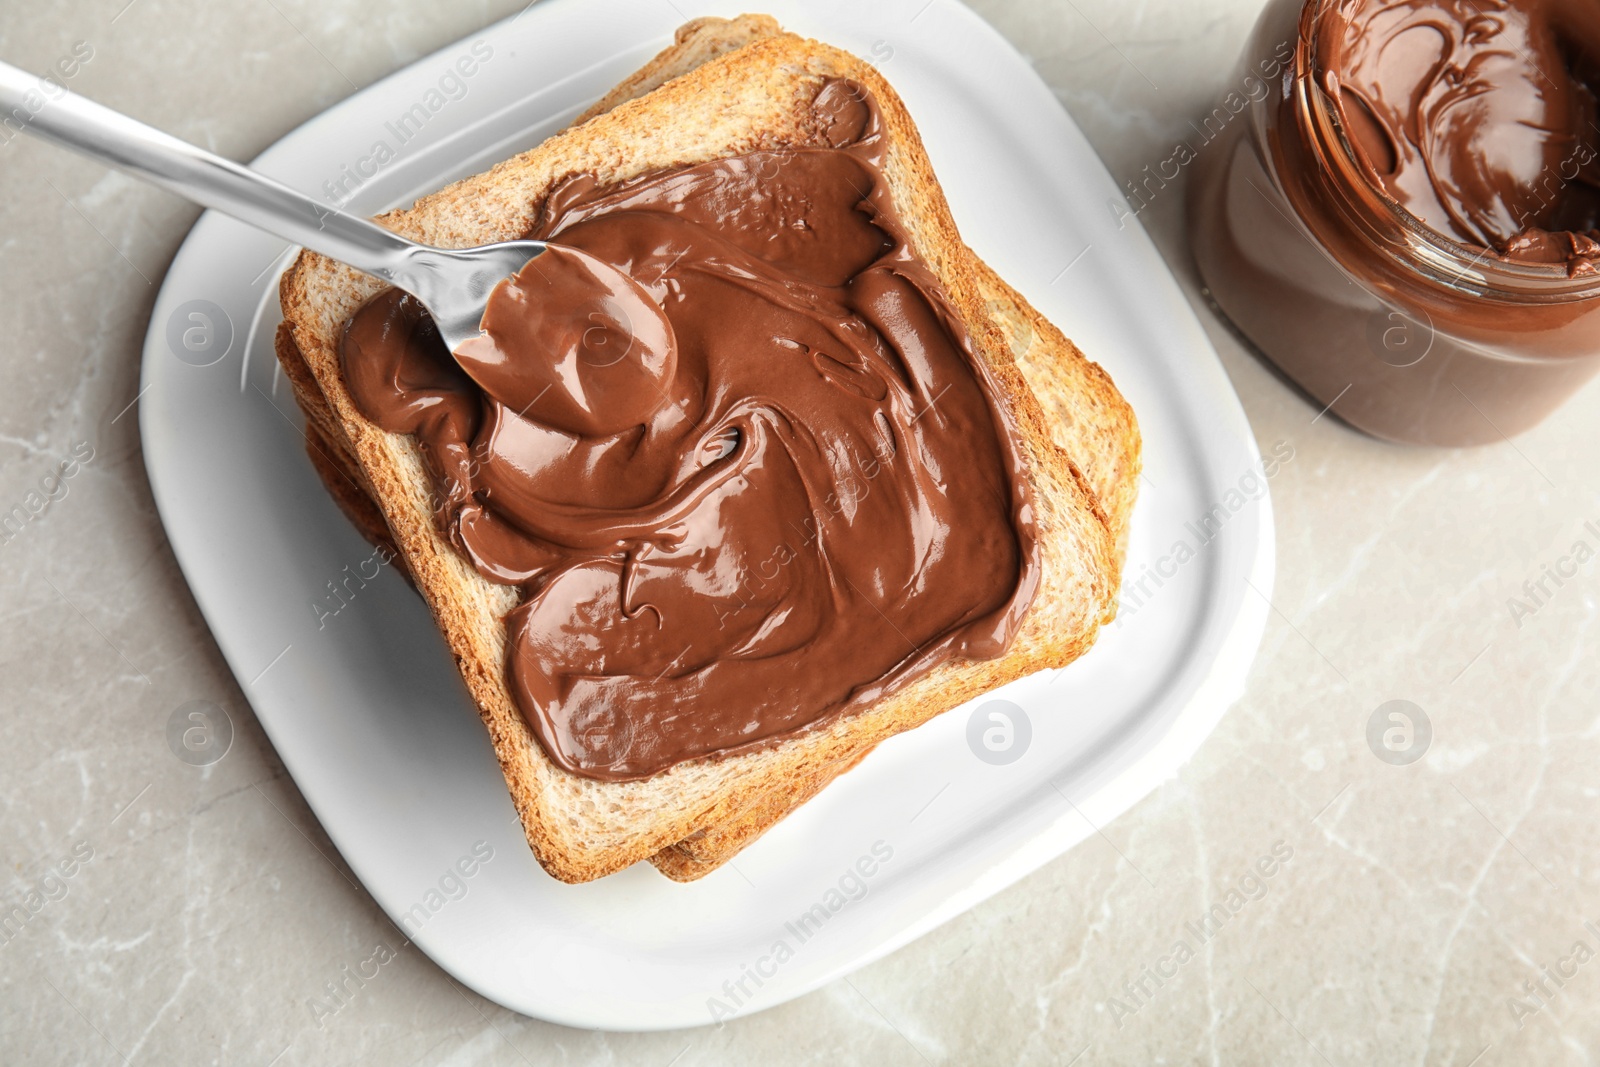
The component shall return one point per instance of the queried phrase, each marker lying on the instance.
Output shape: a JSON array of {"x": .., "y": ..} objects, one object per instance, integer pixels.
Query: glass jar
[{"x": 1398, "y": 329}]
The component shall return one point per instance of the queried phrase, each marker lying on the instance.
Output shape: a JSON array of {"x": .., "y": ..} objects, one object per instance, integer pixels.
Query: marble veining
[{"x": 1432, "y": 914}]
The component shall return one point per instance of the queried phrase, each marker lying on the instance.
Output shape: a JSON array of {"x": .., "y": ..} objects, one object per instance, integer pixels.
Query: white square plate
[{"x": 365, "y": 706}]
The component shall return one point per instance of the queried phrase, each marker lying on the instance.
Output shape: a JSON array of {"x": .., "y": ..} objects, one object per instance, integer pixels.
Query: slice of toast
[
  {"x": 1090, "y": 420},
  {"x": 737, "y": 97}
]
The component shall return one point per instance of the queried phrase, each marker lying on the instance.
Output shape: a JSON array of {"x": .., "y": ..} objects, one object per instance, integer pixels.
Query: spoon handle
[{"x": 74, "y": 122}]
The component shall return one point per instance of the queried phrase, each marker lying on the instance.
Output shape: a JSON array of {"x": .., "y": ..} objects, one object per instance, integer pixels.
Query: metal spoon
[{"x": 453, "y": 284}]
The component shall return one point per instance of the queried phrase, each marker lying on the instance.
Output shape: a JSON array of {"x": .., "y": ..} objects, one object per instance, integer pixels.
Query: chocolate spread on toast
[{"x": 754, "y": 482}]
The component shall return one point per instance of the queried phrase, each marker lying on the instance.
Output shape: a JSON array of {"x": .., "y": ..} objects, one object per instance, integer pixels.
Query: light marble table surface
[{"x": 1418, "y": 909}]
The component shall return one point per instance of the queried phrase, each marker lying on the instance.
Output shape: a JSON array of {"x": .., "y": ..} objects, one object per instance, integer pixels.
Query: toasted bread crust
[
  {"x": 756, "y": 96},
  {"x": 696, "y": 43}
]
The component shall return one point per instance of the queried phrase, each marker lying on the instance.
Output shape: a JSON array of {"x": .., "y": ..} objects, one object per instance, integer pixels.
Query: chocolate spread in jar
[
  {"x": 756, "y": 483},
  {"x": 1478, "y": 117},
  {"x": 1403, "y": 223}
]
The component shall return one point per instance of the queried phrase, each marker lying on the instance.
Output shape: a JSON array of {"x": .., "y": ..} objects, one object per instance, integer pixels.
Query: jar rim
[{"x": 1420, "y": 247}]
